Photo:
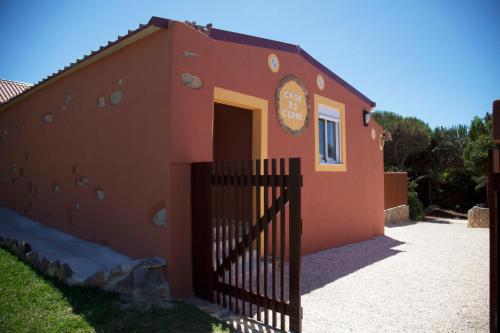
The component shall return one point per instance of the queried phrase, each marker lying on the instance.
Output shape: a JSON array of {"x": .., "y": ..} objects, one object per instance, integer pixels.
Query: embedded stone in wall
[
  {"x": 160, "y": 218},
  {"x": 190, "y": 54},
  {"x": 120, "y": 82},
  {"x": 75, "y": 169},
  {"x": 116, "y": 97},
  {"x": 56, "y": 188},
  {"x": 191, "y": 81},
  {"x": 63, "y": 107},
  {"x": 5, "y": 133},
  {"x": 397, "y": 214},
  {"x": 478, "y": 217},
  {"x": 101, "y": 102},
  {"x": 14, "y": 168},
  {"x": 99, "y": 193},
  {"x": 48, "y": 118},
  {"x": 82, "y": 181},
  {"x": 69, "y": 97}
]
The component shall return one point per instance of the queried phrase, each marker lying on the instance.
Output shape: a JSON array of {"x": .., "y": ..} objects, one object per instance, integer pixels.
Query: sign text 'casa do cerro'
[{"x": 292, "y": 105}]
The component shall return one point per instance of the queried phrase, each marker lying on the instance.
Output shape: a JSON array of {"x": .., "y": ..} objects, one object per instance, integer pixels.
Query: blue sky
[{"x": 436, "y": 60}]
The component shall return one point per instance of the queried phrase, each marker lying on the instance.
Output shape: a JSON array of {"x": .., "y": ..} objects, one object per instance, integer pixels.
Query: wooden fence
[{"x": 395, "y": 189}]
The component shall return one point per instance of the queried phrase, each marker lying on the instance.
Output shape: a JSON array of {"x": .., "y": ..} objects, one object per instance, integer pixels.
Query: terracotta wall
[
  {"x": 395, "y": 189},
  {"x": 338, "y": 207},
  {"x": 140, "y": 151},
  {"x": 121, "y": 149}
]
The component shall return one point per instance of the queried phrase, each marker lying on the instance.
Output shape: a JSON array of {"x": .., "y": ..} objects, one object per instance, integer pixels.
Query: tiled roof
[{"x": 10, "y": 89}]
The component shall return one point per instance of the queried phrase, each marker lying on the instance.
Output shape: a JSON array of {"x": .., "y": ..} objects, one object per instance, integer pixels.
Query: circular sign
[
  {"x": 273, "y": 62},
  {"x": 292, "y": 105},
  {"x": 320, "y": 81}
]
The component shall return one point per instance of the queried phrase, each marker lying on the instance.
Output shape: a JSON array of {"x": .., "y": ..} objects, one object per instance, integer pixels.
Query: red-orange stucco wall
[
  {"x": 337, "y": 207},
  {"x": 140, "y": 151},
  {"x": 121, "y": 148}
]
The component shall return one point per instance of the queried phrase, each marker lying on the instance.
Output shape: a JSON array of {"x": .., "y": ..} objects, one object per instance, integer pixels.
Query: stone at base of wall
[
  {"x": 140, "y": 281},
  {"x": 478, "y": 217},
  {"x": 397, "y": 214}
]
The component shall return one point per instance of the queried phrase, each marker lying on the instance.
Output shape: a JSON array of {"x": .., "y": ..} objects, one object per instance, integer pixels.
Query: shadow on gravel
[
  {"x": 319, "y": 269},
  {"x": 400, "y": 224}
]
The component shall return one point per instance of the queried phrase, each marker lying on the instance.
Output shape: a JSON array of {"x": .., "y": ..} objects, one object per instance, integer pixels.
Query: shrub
[{"x": 416, "y": 206}]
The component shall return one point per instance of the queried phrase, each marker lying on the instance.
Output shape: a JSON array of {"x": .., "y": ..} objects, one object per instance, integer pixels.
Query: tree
[
  {"x": 410, "y": 136},
  {"x": 476, "y": 149}
]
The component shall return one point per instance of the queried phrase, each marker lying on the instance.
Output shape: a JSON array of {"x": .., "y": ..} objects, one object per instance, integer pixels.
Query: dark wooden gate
[{"x": 246, "y": 238}]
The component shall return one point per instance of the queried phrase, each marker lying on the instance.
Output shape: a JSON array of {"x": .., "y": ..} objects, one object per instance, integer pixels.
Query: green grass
[{"x": 31, "y": 302}]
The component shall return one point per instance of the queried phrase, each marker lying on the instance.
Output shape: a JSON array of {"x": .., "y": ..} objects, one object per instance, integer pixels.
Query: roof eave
[
  {"x": 234, "y": 37},
  {"x": 154, "y": 24}
]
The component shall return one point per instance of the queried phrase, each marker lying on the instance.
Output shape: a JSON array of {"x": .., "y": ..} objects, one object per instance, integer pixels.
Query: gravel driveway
[{"x": 419, "y": 277}]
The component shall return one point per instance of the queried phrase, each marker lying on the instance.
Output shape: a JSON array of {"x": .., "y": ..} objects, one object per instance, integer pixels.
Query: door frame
[{"x": 259, "y": 108}]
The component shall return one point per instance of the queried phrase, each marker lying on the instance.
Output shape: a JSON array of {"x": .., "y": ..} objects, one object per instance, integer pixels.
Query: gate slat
[
  {"x": 257, "y": 215},
  {"x": 266, "y": 235},
  {"x": 282, "y": 240},
  {"x": 217, "y": 214},
  {"x": 238, "y": 191},
  {"x": 224, "y": 222},
  {"x": 250, "y": 230},
  {"x": 273, "y": 248}
]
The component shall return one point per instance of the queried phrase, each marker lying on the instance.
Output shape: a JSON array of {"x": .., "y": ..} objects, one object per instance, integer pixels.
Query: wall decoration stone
[
  {"x": 273, "y": 62},
  {"x": 190, "y": 54},
  {"x": 99, "y": 193},
  {"x": 160, "y": 218},
  {"x": 191, "y": 81},
  {"x": 116, "y": 97},
  {"x": 101, "y": 102},
  {"x": 56, "y": 188},
  {"x": 14, "y": 168},
  {"x": 75, "y": 169},
  {"x": 478, "y": 217},
  {"x": 5, "y": 134},
  {"x": 48, "y": 118},
  {"x": 320, "y": 82},
  {"x": 63, "y": 107},
  {"x": 82, "y": 181},
  {"x": 69, "y": 97}
]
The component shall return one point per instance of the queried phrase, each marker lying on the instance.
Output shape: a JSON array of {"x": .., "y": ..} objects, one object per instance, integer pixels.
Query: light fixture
[{"x": 366, "y": 117}]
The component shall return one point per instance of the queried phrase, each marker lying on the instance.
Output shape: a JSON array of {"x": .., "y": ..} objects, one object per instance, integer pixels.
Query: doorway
[{"x": 232, "y": 133}]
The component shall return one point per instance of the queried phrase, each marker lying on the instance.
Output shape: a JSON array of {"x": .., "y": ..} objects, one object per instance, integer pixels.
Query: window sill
[{"x": 331, "y": 167}]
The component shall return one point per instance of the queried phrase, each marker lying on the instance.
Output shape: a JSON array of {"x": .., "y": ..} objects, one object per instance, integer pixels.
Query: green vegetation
[
  {"x": 447, "y": 166},
  {"x": 30, "y": 302}
]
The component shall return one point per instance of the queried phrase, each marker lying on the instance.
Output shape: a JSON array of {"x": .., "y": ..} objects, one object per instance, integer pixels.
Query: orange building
[{"x": 103, "y": 148}]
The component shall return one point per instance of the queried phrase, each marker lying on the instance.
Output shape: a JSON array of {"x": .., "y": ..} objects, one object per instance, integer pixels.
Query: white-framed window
[{"x": 329, "y": 127}]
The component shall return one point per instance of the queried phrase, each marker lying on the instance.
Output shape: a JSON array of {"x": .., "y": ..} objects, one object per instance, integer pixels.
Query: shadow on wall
[{"x": 319, "y": 269}]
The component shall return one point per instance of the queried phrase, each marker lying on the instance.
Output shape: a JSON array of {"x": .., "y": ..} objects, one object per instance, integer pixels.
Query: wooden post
[
  {"x": 202, "y": 229},
  {"x": 294, "y": 243},
  {"x": 493, "y": 204}
]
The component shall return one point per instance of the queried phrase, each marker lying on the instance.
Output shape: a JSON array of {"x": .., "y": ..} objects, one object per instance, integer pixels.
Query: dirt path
[{"x": 424, "y": 277}]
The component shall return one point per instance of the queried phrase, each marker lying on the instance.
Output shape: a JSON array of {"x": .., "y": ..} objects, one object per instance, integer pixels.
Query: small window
[{"x": 329, "y": 135}]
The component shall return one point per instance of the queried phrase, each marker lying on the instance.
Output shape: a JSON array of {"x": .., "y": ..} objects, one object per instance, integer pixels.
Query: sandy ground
[{"x": 423, "y": 277}]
